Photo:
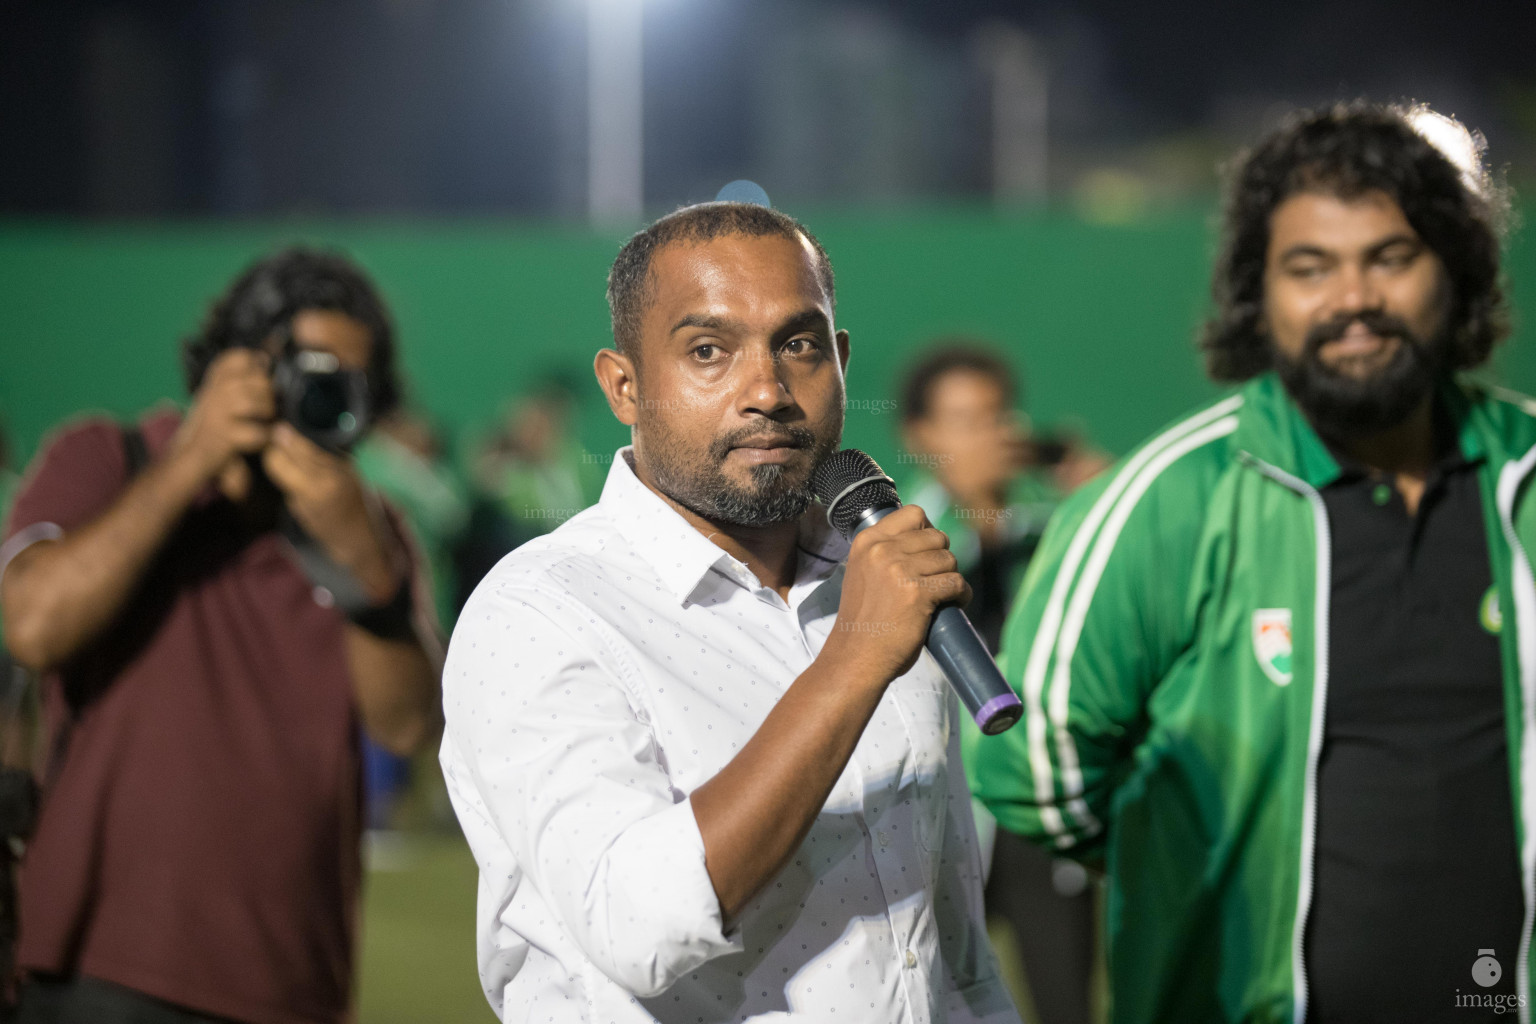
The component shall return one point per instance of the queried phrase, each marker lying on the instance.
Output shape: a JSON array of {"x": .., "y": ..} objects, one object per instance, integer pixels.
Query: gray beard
[
  {"x": 775, "y": 499},
  {"x": 700, "y": 485}
]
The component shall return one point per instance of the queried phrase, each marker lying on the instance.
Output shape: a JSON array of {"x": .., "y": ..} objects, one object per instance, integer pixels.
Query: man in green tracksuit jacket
[{"x": 1279, "y": 664}]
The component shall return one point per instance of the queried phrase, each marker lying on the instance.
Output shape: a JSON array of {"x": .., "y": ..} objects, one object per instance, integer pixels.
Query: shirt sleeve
[
  {"x": 73, "y": 480},
  {"x": 973, "y": 988},
  {"x": 561, "y": 770},
  {"x": 76, "y": 477},
  {"x": 1102, "y": 616}
]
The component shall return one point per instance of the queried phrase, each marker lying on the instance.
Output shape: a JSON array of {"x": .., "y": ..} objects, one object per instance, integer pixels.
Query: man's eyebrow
[
  {"x": 708, "y": 323},
  {"x": 1303, "y": 249},
  {"x": 1397, "y": 239},
  {"x": 1312, "y": 249},
  {"x": 804, "y": 320},
  {"x": 813, "y": 318}
]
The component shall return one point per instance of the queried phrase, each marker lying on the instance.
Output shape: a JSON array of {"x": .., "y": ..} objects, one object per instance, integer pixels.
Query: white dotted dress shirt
[{"x": 598, "y": 676}]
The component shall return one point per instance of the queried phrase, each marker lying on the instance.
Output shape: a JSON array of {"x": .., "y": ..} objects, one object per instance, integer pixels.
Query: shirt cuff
[{"x": 686, "y": 923}]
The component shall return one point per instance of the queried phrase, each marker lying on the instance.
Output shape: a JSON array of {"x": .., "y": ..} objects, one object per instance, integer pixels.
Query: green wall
[{"x": 1100, "y": 316}]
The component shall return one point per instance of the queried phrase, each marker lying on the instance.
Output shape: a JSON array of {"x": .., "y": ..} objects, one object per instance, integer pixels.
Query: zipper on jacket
[
  {"x": 1523, "y": 584},
  {"x": 1321, "y": 602}
]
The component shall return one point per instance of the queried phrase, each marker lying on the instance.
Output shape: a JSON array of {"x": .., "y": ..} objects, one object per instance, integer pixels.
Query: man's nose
[
  {"x": 1357, "y": 291},
  {"x": 763, "y": 388}
]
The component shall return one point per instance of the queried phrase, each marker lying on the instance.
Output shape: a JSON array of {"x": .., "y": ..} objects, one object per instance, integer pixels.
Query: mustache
[
  {"x": 1381, "y": 324},
  {"x": 785, "y": 436}
]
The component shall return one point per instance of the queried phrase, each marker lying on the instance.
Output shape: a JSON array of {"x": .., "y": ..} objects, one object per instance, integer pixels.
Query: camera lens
[{"x": 324, "y": 402}]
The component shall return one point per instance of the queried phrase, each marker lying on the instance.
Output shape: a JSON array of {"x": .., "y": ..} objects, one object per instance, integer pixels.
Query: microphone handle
[{"x": 963, "y": 655}]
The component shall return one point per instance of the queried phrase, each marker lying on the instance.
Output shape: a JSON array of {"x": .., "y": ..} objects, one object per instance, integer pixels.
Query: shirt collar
[
  {"x": 682, "y": 556},
  {"x": 1274, "y": 429},
  {"x": 1452, "y": 452}
]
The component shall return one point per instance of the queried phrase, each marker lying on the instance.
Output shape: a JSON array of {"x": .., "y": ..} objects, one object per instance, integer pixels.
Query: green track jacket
[{"x": 1171, "y": 650}]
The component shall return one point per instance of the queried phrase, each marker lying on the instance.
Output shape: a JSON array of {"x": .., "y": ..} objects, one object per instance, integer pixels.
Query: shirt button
[{"x": 911, "y": 959}]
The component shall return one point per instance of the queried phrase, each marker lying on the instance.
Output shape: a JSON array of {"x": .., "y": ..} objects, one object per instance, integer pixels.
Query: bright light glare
[{"x": 1462, "y": 147}]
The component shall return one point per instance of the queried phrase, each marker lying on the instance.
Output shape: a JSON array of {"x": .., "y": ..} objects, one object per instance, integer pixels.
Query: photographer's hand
[
  {"x": 231, "y": 415},
  {"x": 328, "y": 499},
  {"x": 60, "y": 595}
]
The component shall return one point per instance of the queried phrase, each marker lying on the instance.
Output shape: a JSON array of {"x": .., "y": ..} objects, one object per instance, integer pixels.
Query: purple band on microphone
[{"x": 1003, "y": 700}]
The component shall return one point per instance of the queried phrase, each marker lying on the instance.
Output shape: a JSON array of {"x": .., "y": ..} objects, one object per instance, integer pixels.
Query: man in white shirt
[{"x": 705, "y": 765}]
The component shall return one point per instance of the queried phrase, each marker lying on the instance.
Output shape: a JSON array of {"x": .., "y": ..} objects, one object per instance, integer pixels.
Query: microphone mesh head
[{"x": 837, "y": 473}]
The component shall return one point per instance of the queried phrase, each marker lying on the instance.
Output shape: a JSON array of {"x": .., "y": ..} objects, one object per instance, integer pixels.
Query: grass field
[{"x": 418, "y": 955}]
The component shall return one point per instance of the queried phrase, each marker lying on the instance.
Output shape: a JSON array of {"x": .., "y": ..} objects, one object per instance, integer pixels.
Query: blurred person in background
[
  {"x": 217, "y": 602},
  {"x": 402, "y": 458},
  {"x": 983, "y": 477},
  {"x": 531, "y": 464},
  {"x": 529, "y": 475},
  {"x": 990, "y": 484},
  {"x": 1278, "y": 665}
]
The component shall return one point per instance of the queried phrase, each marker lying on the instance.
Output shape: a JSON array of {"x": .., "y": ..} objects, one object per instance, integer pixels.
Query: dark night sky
[{"x": 260, "y": 106}]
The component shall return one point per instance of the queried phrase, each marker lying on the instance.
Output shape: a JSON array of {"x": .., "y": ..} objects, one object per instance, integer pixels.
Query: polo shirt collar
[
  {"x": 1457, "y": 444},
  {"x": 681, "y": 556},
  {"x": 1273, "y": 428}
]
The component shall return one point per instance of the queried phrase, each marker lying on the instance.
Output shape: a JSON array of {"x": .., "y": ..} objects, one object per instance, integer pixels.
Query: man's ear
[
  {"x": 842, "y": 349},
  {"x": 616, "y": 376}
]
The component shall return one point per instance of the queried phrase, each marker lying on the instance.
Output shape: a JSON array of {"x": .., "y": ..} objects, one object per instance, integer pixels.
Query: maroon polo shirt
[{"x": 199, "y": 833}]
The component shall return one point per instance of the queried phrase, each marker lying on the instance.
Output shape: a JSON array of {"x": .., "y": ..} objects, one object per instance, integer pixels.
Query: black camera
[{"x": 323, "y": 401}]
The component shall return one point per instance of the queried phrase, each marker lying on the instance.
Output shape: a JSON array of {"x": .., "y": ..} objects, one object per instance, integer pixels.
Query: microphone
[{"x": 858, "y": 495}]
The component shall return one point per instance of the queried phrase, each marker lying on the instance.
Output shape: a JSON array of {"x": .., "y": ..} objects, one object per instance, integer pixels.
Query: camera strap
[
  {"x": 391, "y": 621},
  {"x": 343, "y": 587},
  {"x": 135, "y": 450}
]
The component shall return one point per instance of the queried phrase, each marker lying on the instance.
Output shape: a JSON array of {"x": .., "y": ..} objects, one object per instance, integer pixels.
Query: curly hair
[
  {"x": 629, "y": 280},
  {"x": 272, "y": 291},
  {"x": 1347, "y": 150}
]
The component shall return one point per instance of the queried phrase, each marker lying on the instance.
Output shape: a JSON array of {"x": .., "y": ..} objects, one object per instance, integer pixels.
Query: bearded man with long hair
[{"x": 1278, "y": 664}]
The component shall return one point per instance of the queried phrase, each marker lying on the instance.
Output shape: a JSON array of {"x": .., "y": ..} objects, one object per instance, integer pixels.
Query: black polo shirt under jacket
[{"x": 1417, "y": 868}]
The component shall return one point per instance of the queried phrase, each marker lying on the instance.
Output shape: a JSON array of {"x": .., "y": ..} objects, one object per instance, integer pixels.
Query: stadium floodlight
[{"x": 615, "y": 83}]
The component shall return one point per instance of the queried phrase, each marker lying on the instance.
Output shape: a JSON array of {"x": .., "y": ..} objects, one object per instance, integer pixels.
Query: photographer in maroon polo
[{"x": 196, "y": 857}]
